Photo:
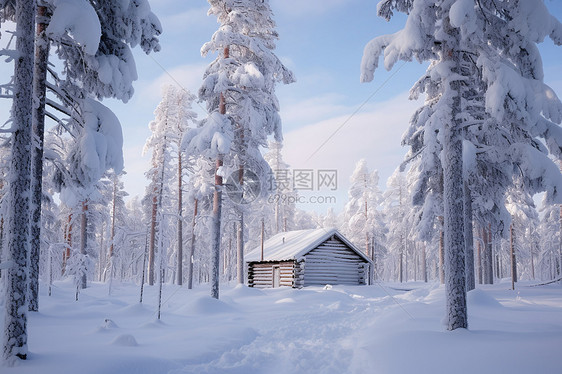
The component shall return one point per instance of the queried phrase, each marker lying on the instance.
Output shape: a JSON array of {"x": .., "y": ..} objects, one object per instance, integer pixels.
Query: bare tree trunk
[
  {"x": 16, "y": 282},
  {"x": 441, "y": 253},
  {"x": 532, "y": 261},
  {"x": 401, "y": 265},
  {"x": 513, "y": 259},
  {"x": 560, "y": 239},
  {"x": 424, "y": 264},
  {"x": 192, "y": 247},
  {"x": 468, "y": 239},
  {"x": 179, "y": 272},
  {"x": 39, "y": 92},
  {"x": 217, "y": 210},
  {"x": 68, "y": 244},
  {"x": 102, "y": 253},
  {"x": 479, "y": 256},
  {"x": 455, "y": 281},
  {"x": 83, "y": 241},
  {"x": 1, "y": 239},
  {"x": 152, "y": 240},
  {"x": 216, "y": 231},
  {"x": 240, "y": 250}
]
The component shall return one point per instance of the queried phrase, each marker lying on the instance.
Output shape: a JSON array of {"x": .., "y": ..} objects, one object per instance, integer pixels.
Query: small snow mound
[
  {"x": 106, "y": 326},
  {"x": 206, "y": 305},
  {"x": 156, "y": 323},
  {"x": 242, "y": 290},
  {"x": 328, "y": 287},
  {"x": 133, "y": 309},
  {"x": 478, "y": 297},
  {"x": 286, "y": 300},
  {"x": 125, "y": 340},
  {"x": 109, "y": 324}
]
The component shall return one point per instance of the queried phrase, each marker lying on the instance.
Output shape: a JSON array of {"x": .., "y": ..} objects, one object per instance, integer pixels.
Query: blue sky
[{"x": 322, "y": 42}]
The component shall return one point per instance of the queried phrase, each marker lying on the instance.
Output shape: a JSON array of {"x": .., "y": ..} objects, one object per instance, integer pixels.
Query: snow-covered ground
[{"x": 388, "y": 328}]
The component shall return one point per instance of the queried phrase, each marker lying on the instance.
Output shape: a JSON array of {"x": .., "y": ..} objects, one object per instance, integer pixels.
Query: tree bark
[
  {"x": 68, "y": 244},
  {"x": 1, "y": 240},
  {"x": 152, "y": 240},
  {"x": 217, "y": 210},
  {"x": 39, "y": 91},
  {"x": 455, "y": 281},
  {"x": 513, "y": 259},
  {"x": 16, "y": 282},
  {"x": 192, "y": 247},
  {"x": 468, "y": 239},
  {"x": 240, "y": 250},
  {"x": 83, "y": 242},
  {"x": 179, "y": 272},
  {"x": 216, "y": 231},
  {"x": 479, "y": 256},
  {"x": 441, "y": 253}
]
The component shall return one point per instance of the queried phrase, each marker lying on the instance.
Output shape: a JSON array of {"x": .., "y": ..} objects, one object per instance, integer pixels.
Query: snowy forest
[{"x": 475, "y": 204}]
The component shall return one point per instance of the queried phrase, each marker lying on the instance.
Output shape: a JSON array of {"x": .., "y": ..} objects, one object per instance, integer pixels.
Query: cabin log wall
[{"x": 331, "y": 262}]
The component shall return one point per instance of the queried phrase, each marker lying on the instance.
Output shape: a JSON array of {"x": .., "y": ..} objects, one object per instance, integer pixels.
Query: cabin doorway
[{"x": 276, "y": 277}]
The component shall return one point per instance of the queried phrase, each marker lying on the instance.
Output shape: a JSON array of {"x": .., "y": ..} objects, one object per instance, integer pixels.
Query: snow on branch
[{"x": 79, "y": 20}]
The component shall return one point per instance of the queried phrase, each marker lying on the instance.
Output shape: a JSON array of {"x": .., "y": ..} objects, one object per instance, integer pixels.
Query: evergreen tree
[{"x": 239, "y": 88}]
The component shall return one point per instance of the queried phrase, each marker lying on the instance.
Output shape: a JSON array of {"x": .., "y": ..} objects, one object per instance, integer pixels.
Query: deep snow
[{"x": 385, "y": 328}]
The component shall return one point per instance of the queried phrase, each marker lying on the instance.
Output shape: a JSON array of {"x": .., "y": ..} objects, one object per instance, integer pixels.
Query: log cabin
[{"x": 307, "y": 258}]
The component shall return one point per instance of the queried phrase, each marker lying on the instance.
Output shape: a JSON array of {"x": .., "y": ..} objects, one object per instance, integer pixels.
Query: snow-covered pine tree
[
  {"x": 168, "y": 128},
  {"x": 239, "y": 88},
  {"x": 396, "y": 207},
  {"x": 550, "y": 251},
  {"x": 14, "y": 341},
  {"x": 92, "y": 39},
  {"x": 363, "y": 220},
  {"x": 499, "y": 38},
  {"x": 283, "y": 197}
]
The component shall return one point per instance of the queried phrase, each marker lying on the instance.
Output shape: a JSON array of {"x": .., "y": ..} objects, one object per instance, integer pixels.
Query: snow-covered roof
[{"x": 294, "y": 245}]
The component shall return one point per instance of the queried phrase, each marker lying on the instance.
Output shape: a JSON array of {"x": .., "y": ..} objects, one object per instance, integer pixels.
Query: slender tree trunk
[
  {"x": 102, "y": 253},
  {"x": 468, "y": 239},
  {"x": 424, "y": 263},
  {"x": 113, "y": 217},
  {"x": 83, "y": 242},
  {"x": 532, "y": 261},
  {"x": 39, "y": 91},
  {"x": 16, "y": 282},
  {"x": 217, "y": 210},
  {"x": 513, "y": 259},
  {"x": 216, "y": 231},
  {"x": 1, "y": 239},
  {"x": 68, "y": 244},
  {"x": 401, "y": 265},
  {"x": 560, "y": 239},
  {"x": 455, "y": 281},
  {"x": 152, "y": 241},
  {"x": 192, "y": 247},
  {"x": 441, "y": 253},
  {"x": 240, "y": 250},
  {"x": 479, "y": 257},
  {"x": 179, "y": 272},
  {"x": 489, "y": 257}
]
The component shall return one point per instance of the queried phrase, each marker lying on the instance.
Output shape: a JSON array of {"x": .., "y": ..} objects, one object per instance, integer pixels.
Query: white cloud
[
  {"x": 374, "y": 134},
  {"x": 312, "y": 109},
  {"x": 186, "y": 76}
]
